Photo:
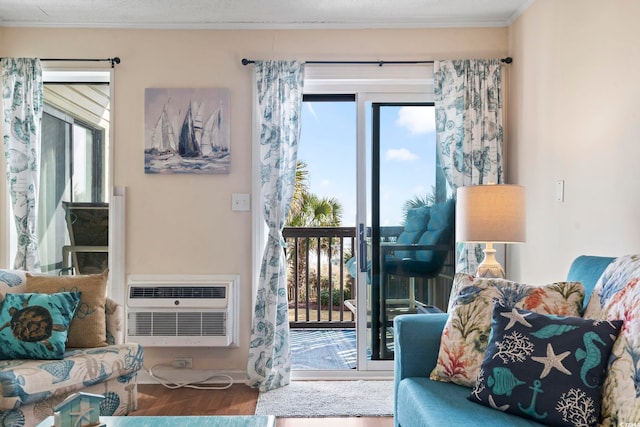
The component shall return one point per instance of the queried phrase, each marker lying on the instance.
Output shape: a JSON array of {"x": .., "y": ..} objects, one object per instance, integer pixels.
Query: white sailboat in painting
[
  {"x": 213, "y": 143},
  {"x": 163, "y": 139}
]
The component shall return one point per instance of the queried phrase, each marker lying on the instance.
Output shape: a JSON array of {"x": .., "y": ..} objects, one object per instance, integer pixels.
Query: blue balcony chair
[{"x": 420, "y": 251}]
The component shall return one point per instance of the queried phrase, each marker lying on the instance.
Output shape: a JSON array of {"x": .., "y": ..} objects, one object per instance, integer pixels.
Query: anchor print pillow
[
  {"x": 34, "y": 326},
  {"x": 88, "y": 328},
  {"x": 466, "y": 333},
  {"x": 546, "y": 368}
]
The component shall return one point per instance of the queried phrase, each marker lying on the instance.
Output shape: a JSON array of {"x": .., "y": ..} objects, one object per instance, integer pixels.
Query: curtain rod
[
  {"x": 245, "y": 61},
  {"x": 115, "y": 60}
]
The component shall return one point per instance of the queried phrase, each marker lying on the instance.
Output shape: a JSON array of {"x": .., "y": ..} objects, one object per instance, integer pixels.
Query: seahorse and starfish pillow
[
  {"x": 466, "y": 333},
  {"x": 546, "y": 368}
]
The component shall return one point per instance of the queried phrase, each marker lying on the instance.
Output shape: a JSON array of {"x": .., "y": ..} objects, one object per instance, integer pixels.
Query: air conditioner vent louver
[
  {"x": 156, "y": 292},
  {"x": 181, "y": 324},
  {"x": 176, "y": 311}
]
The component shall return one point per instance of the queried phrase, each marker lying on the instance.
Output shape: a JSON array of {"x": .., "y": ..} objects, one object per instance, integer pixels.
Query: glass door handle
[{"x": 362, "y": 251}]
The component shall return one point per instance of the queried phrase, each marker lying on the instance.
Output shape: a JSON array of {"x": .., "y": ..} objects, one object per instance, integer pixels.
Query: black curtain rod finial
[
  {"x": 507, "y": 60},
  {"x": 246, "y": 61}
]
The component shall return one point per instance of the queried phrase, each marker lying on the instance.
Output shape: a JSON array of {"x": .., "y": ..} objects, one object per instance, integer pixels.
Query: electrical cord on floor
[{"x": 194, "y": 384}]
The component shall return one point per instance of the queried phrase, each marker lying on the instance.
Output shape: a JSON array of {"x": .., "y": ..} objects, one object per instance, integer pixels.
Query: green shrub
[{"x": 324, "y": 297}]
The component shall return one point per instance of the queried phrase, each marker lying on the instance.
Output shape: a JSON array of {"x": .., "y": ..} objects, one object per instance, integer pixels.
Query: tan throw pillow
[
  {"x": 88, "y": 327},
  {"x": 466, "y": 333}
]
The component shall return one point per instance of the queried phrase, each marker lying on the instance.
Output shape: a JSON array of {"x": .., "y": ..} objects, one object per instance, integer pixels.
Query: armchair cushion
[
  {"x": 466, "y": 334},
  {"x": 88, "y": 327},
  {"x": 416, "y": 223},
  {"x": 429, "y": 238},
  {"x": 441, "y": 215},
  {"x": 34, "y": 326},
  {"x": 547, "y": 368}
]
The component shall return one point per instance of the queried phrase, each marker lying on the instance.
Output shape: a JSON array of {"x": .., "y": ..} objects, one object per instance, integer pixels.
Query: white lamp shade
[{"x": 490, "y": 213}]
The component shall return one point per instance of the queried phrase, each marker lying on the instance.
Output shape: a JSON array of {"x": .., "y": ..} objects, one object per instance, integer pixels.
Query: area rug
[
  {"x": 328, "y": 399},
  {"x": 323, "y": 348}
]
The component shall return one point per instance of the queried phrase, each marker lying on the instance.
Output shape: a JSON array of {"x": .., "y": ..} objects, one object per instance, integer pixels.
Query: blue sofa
[{"x": 421, "y": 402}]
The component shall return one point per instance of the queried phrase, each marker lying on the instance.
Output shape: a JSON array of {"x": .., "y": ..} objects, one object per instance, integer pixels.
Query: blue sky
[{"x": 328, "y": 146}]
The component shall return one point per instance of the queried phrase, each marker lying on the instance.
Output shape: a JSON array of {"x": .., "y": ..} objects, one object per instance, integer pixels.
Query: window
[{"x": 73, "y": 172}]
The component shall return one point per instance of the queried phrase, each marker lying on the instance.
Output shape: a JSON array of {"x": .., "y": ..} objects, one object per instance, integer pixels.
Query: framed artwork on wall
[{"x": 186, "y": 130}]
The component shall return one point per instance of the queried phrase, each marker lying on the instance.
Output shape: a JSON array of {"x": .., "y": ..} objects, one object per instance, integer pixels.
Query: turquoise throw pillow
[
  {"x": 544, "y": 367},
  {"x": 34, "y": 326},
  {"x": 417, "y": 219},
  {"x": 415, "y": 224}
]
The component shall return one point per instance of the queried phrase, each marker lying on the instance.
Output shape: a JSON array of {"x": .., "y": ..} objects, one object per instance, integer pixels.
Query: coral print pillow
[
  {"x": 34, "y": 326},
  {"x": 617, "y": 296},
  {"x": 466, "y": 333},
  {"x": 546, "y": 368}
]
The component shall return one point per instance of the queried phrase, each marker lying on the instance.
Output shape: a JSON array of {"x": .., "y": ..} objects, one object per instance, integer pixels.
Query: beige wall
[
  {"x": 574, "y": 115},
  {"x": 184, "y": 223}
]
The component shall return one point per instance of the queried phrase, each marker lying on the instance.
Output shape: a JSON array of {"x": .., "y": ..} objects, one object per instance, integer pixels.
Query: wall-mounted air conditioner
[{"x": 179, "y": 311}]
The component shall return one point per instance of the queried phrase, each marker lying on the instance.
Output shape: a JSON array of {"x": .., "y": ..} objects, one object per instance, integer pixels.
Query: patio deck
[{"x": 323, "y": 349}]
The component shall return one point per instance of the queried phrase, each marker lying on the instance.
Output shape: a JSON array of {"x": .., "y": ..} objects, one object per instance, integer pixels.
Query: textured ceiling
[{"x": 243, "y": 14}]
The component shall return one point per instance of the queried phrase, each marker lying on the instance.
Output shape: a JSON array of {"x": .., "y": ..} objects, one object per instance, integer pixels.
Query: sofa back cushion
[
  {"x": 617, "y": 296},
  {"x": 587, "y": 269}
]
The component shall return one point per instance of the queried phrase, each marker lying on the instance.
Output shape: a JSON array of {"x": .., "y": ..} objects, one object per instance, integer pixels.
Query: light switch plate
[
  {"x": 240, "y": 202},
  {"x": 560, "y": 190}
]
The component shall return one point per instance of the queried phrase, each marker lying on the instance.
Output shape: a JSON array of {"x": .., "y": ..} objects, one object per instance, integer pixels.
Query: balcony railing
[{"x": 318, "y": 281}]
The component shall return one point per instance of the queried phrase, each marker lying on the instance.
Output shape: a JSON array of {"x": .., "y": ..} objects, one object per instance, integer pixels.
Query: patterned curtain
[
  {"x": 469, "y": 131},
  {"x": 279, "y": 102},
  {"x": 22, "y": 109}
]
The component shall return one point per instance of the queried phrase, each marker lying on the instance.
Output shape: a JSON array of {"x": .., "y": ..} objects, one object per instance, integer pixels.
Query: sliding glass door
[{"x": 397, "y": 172}]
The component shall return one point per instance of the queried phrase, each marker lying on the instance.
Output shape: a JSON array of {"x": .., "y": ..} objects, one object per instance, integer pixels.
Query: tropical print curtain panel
[
  {"x": 469, "y": 131},
  {"x": 279, "y": 102},
  {"x": 22, "y": 109}
]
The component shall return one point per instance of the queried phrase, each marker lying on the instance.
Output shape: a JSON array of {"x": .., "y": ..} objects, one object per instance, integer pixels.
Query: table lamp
[{"x": 489, "y": 214}]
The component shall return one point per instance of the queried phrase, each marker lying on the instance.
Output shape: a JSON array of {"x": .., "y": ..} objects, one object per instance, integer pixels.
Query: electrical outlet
[{"x": 182, "y": 363}]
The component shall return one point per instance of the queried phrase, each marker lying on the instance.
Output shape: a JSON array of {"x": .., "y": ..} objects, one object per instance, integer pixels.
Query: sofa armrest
[
  {"x": 416, "y": 343},
  {"x": 115, "y": 322},
  {"x": 416, "y": 346}
]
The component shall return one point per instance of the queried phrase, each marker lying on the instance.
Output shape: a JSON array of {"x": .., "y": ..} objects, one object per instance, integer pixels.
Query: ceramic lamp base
[{"x": 490, "y": 267}]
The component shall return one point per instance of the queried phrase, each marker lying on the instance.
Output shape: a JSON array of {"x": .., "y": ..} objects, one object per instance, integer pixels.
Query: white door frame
[{"x": 387, "y": 83}]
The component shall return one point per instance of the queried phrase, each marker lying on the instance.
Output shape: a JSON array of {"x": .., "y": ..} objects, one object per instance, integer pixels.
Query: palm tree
[
  {"x": 419, "y": 201},
  {"x": 309, "y": 210},
  {"x": 300, "y": 188}
]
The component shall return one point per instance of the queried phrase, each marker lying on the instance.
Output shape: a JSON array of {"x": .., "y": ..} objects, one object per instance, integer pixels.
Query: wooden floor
[{"x": 238, "y": 400}]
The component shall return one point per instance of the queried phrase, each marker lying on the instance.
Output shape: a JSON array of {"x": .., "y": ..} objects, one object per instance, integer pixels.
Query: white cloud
[
  {"x": 400, "y": 155},
  {"x": 325, "y": 183},
  {"x": 418, "y": 120}
]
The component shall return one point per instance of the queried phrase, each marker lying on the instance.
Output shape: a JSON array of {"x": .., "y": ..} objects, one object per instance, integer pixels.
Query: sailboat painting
[{"x": 187, "y": 131}]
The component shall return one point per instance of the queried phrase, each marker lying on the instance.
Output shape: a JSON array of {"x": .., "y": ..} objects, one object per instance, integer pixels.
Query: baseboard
[
  {"x": 340, "y": 375},
  {"x": 191, "y": 376},
  {"x": 182, "y": 376}
]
